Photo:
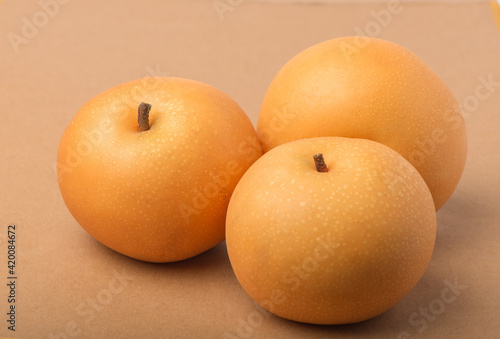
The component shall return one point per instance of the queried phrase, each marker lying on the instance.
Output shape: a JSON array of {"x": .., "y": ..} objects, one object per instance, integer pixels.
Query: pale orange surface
[
  {"x": 157, "y": 195},
  {"x": 330, "y": 248}
]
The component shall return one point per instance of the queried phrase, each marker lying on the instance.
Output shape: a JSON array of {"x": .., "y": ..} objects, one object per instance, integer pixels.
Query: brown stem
[
  {"x": 320, "y": 163},
  {"x": 143, "y": 117}
]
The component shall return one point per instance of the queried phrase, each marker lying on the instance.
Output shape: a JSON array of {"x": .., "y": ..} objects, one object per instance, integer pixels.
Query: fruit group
[
  {"x": 330, "y": 247},
  {"x": 157, "y": 194},
  {"x": 372, "y": 89}
]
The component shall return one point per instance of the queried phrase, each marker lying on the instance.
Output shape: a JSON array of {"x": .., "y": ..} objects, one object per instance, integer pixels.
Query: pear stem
[
  {"x": 320, "y": 163},
  {"x": 143, "y": 118}
]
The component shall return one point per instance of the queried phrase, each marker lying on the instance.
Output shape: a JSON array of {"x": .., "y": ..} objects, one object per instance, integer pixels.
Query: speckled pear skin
[
  {"x": 336, "y": 247},
  {"x": 157, "y": 195}
]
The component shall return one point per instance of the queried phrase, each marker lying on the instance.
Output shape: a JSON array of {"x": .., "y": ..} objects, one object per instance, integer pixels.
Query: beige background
[{"x": 68, "y": 282}]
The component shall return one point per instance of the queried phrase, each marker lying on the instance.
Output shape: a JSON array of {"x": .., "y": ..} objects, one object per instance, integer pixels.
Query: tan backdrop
[{"x": 56, "y": 55}]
